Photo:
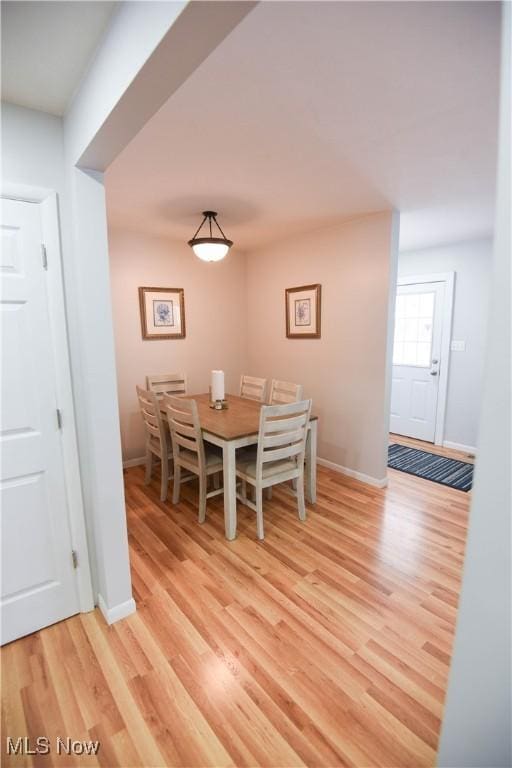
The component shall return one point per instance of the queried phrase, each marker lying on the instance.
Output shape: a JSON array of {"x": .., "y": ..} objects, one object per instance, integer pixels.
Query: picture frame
[
  {"x": 303, "y": 306},
  {"x": 162, "y": 313}
]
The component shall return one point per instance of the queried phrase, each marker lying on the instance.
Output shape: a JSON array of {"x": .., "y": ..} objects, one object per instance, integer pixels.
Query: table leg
[
  {"x": 229, "y": 467},
  {"x": 311, "y": 447}
]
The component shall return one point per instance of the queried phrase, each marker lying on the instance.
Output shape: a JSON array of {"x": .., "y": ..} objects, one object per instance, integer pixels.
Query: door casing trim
[
  {"x": 48, "y": 200},
  {"x": 448, "y": 278}
]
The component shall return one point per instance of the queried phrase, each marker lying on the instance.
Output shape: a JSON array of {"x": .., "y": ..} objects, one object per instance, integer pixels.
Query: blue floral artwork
[
  {"x": 303, "y": 312},
  {"x": 163, "y": 313}
]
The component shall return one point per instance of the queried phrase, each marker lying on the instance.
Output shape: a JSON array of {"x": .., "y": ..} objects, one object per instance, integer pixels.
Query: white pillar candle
[{"x": 217, "y": 385}]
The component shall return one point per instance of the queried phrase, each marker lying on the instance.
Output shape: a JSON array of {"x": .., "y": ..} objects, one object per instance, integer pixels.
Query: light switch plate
[{"x": 458, "y": 346}]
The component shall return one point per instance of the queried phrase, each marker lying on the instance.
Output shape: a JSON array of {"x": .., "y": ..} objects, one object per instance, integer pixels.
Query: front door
[
  {"x": 417, "y": 359},
  {"x": 38, "y": 578}
]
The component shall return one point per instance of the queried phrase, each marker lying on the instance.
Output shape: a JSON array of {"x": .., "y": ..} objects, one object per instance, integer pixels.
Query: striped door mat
[{"x": 430, "y": 466}]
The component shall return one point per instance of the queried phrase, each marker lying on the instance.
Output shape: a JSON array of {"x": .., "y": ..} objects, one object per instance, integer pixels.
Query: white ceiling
[
  {"x": 313, "y": 112},
  {"x": 46, "y": 47}
]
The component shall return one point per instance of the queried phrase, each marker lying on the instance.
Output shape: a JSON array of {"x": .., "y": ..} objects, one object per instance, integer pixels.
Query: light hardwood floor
[
  {"x": 327, "y": 644},
  {"x": 450, "y": 453}
]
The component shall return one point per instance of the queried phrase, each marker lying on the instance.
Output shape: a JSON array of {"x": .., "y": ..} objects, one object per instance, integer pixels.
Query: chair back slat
[
  {"x": 283, "y": 423},
  {"x": 183, "y": 418},
  {"x": 185, "y": 442},
  {"x": 288, "y": 452},
  {"x": 276, "y": 439},
  {"x": 150, "y": 418},
  {"x": 283, "y": 430},
  {"x": 167, "y": 384},
  {"x": 150, "y": 410},
  {"x": 253, "y": 388},
  {"x": 186, "y": 431},
  {"x": 152, "y": 430},
  {"x": 282, "y": 392}
]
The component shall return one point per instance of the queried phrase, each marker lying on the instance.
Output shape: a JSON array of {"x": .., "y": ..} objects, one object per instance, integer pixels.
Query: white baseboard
[
  {"x": 382, "y": 483},
  {"x": 134, "y": 462},
  {"x": 460, "y": 447},
  {"x": 117, "y": 612},
  {"x": 378, "y": 483}
]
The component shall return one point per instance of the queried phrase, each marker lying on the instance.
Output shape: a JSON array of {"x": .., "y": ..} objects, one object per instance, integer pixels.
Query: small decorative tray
[{"x": 219, "y": 405}]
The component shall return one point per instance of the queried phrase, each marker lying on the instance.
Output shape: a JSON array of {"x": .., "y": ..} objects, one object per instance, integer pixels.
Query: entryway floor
[{"x": 422, "y": 445}]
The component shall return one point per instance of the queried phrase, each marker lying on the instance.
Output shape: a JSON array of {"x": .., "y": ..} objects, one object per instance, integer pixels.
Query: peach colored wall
[
  {"x": 215, "y": 321},
  {"x": 344, "y": 371},
  {"x": 235, "y": 321}
]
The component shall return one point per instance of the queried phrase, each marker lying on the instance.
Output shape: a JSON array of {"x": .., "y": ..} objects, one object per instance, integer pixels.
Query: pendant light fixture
[{"x": 210, "y": 248}]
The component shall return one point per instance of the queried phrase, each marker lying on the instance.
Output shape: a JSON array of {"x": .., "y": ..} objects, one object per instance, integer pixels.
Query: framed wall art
[
  {"x": 162, "y": 313},
  {"x": 303, "y": 311}
]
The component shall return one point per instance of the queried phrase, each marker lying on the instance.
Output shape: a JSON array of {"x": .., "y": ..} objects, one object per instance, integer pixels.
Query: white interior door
[
  {"x": 38, "y": 578},
  {"x": 417, "y": 359}
]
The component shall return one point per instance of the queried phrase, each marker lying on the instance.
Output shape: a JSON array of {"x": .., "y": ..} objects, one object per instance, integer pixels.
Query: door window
[{"x": 414, "y": 321}]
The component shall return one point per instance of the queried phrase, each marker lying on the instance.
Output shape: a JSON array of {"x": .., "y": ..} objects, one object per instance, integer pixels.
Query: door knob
[{"x": 433, "y": 373}]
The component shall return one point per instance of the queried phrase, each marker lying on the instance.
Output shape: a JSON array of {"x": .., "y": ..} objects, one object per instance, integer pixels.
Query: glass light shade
[
  {"x": 210, "y": 251},
  {"x": 210, "y": 248}
]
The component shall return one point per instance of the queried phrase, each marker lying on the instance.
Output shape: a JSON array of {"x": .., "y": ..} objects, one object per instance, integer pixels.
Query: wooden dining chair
[
  {"x": 282, "y": 392},
  {"x": 157, "y": 438},
  {"x": 189, "y": 450},
  {"x": 253, "y": 388},
  {"x": 278, "y": 457},
  {"x": 167, "y": 384}
]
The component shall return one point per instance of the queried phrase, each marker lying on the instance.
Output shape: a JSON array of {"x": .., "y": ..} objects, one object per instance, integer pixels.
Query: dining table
[{"x": 237, "y": 426}]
